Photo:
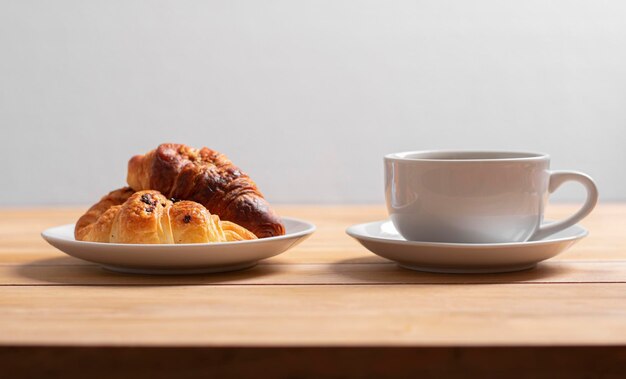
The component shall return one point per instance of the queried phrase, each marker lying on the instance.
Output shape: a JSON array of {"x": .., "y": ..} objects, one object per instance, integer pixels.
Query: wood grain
[
  {"x": 403, "y": 315},
  {"x": 326, "y": 303},
  {"x": 383, "y": 273}
]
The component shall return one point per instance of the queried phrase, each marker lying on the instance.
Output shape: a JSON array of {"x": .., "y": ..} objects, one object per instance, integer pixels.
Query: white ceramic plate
[
  {"x": 182, "y": 258},
  {"x": 382, "y": 239}
]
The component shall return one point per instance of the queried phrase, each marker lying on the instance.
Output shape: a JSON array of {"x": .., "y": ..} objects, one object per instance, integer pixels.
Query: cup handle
[{"x": 556, "y": 179}]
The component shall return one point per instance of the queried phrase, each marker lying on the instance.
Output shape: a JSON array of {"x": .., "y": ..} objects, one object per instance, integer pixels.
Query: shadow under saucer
[
  {"x": 72, "y": 271},
  {"x": 387, "y": 272}
]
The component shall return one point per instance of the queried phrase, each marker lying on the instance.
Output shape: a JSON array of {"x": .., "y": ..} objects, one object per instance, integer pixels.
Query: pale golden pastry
[
  {"x": 113, "y": 198},
  {"x": 148, "y": 217}
]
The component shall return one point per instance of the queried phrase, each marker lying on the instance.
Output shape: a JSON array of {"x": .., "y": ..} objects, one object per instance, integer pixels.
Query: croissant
[
  {"x": 148, "y": 217},
  {"x": 209, "y": 178},
  {"x": 113, "y": 198}
]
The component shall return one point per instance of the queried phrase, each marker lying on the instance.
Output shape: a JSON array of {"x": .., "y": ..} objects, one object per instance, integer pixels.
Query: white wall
[{"x": 306, "y": 96}]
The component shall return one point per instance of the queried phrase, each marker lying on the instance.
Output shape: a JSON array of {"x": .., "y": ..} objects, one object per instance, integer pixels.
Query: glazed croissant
[
  {"x": 209, "y": 178},
  {"x": 148, "y": 217},
  {"x": 113, "y": 198}
]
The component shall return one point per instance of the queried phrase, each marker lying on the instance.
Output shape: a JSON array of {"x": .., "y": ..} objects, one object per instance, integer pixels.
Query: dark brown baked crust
[{"x": 209, "y": 178}]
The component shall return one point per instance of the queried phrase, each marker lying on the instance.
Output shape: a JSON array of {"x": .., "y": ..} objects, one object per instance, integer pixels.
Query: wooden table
[{"x": 326, "y": 308}]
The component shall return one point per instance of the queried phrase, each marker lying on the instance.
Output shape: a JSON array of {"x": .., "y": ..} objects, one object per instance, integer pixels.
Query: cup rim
[{"x": 507, "y": 156}]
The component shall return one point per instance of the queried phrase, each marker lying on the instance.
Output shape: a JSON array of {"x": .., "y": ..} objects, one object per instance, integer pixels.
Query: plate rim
[
  {"x": 358, "y": 236},
  {"x": 310, "y": 229}
]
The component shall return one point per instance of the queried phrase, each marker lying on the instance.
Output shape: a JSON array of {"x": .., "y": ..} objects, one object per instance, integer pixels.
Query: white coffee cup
[{"x": 476, "y": 196}]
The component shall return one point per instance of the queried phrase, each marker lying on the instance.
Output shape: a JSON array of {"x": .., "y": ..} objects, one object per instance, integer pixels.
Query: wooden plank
[
  {"x": 327, "y": 362},
  {"x": 311, "y": 274},
  {"x": 20, "y": 241},
  {"x": 403, "y": 315},
  {"x": 312, "y": 307}
]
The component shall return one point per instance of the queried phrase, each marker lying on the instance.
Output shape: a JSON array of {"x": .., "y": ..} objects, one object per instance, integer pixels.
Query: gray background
[{"x": 306, "y": 96}]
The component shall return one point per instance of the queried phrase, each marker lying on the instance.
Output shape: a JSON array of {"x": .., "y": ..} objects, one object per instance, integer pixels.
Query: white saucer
[
  {"x": 382, "y": 239},
  {"x": 182, "y": 258}
]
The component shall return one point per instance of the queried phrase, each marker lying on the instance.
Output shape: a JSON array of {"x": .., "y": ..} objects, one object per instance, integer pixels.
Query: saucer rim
[
  {"x": 310, "y": 228},
  {"x": 350, "y": 231}
]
